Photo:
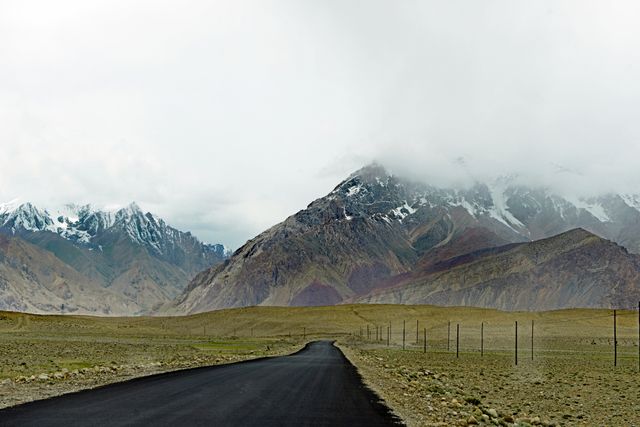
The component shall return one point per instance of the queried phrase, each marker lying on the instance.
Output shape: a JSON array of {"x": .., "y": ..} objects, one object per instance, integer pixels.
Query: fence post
[
  {"x": 457, "y": 339},
  {"x": 425, "y": 341},
  {"x": 615, "y": 340},
  {"x": 516, "y": 343},
  {"x": 482, "y": 339},
  {"x": 404, "y": 324},
  {"x": 388, "y": 334},
  {"x": 531, "y": 339}
]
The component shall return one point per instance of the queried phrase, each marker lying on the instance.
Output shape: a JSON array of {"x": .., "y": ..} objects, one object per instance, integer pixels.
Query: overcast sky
[{"x": 225, "y": 117}]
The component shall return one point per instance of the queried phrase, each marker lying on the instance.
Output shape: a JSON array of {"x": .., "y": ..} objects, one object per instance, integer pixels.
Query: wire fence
[{"x": 613, "y": 335}]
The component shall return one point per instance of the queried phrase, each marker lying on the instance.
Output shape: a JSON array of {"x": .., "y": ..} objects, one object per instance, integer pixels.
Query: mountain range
[
  {"x": 78, "y": 259},
  {"x": 375, "y": 238},
  {"x": 381, "y": 238}
]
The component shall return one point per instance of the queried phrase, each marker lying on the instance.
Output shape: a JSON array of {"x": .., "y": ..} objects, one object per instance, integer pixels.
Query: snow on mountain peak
[
  {"x": 82, "y": 223},
  {"x": 9, "y": 206},
  {"x": 25, "y": 217},
  {"x": 631, "y": 200},
  {"x": 505, "y": 200}
]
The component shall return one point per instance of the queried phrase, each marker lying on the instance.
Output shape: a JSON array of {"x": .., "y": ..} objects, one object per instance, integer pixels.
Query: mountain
[
  {"x": 132, "y": 254},
  {"x": 35, "y": 280},
  {"x": 573, "y": 269},
  {"x": 375, "y": 228}
]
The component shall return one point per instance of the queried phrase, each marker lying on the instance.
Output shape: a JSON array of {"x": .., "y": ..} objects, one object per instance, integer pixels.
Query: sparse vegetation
[{"x": 571, "y": 380}]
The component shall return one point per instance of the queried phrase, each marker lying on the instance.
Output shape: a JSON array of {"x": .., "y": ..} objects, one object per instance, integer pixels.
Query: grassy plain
[{"x": 570, "y": 381}]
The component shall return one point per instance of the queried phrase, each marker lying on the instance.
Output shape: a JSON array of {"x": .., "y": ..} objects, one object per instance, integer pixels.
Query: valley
[{"x": 319, "y": 213}]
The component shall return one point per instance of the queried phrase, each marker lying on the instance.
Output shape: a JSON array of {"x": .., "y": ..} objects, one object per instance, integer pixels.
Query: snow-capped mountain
[
  {"x": 83, "y": 224},
  {"x": 513, "y": 211},
  {"x": 374, "y": 227},
  {"x": 135, "y": 255}
]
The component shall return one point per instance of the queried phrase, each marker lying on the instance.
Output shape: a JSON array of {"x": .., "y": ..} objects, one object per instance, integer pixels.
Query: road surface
[{"x": 315, "y": 387}]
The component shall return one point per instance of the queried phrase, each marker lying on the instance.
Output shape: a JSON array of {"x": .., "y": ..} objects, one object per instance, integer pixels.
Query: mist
[{"x": 226, "y": 117}]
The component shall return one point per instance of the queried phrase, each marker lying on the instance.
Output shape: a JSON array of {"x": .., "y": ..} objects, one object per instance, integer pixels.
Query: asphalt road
[{"x": 315, "y": 387}]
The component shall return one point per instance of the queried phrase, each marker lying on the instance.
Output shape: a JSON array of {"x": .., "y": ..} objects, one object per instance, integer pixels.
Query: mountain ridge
[
  {"x": 135, "y": 256},
  {"x": 575, "y": 269},
  {"x": 374, "y": 227}
]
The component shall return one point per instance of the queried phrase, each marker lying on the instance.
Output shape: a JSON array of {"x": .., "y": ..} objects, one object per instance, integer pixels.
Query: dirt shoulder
[{"x": 438, "y": 390}]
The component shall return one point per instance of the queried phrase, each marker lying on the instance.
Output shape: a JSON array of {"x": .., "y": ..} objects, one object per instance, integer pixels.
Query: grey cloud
[{"x": 225, "y": 117}]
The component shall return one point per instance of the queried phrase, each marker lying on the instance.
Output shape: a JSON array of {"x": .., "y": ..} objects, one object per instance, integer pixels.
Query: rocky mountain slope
[
  {"x": 35, "y": 280},
  {"x": 374, "y": 228},
  {"x": 132, "y": 257},
  {"x": 573, "y": 269}
]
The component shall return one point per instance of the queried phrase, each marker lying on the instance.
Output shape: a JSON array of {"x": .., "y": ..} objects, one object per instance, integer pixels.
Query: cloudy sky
[{"x": 224, "y": 117}]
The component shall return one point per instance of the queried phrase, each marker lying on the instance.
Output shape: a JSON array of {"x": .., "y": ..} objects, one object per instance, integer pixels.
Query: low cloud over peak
[{"x": 226, "y": 117}]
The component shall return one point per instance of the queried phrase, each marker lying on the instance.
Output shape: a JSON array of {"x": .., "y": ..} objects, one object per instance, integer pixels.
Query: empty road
[{"x": 316, "y": 386}]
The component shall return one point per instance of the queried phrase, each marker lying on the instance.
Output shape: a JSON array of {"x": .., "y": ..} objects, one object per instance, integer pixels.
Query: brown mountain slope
[
  {"x": 343, "y": 245},
  {"x": 36, "y": 281},
  {"x": 304, "y": 263},
  {"x": 128, "y": 253},
  {"x": 573, "y": 269},
  {"x": 375, "y": 229}
]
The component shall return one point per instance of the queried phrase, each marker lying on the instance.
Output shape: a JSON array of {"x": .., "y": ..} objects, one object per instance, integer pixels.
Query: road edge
[
  {"x": 147, "y": 375},
  {"x": 371, "y": 387}
]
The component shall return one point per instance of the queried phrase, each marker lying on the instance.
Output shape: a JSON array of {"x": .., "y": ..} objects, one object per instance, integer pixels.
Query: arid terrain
[
  {"x": 570, "y": 381},
  {"x": 44, "y": 356}
]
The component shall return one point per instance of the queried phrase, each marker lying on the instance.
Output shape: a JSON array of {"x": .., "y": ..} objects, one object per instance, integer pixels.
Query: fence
[{"x": 614, "y": 335}]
